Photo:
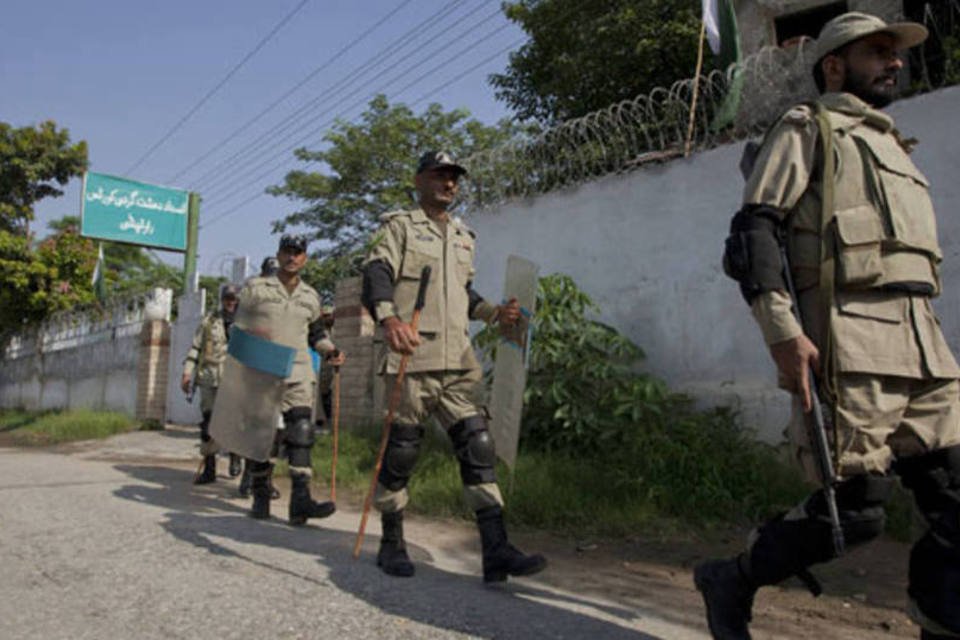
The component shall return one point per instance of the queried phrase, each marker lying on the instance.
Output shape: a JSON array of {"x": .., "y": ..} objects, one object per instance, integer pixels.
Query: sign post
[{"x": 190, "y": 259}]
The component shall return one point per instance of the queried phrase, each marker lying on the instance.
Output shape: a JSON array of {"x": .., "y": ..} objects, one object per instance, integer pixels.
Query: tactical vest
[
  {"x": 884, "y": 228},
  {"x": 444, "y": 321}
]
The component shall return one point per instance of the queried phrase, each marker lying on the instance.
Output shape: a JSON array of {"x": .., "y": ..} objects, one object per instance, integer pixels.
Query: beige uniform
[
  {"x": 893, "y": 376},
  {"x": 266, "y": 307},
  {"x": 443, "y": 372},
  {"x": 206, "y": 356}
]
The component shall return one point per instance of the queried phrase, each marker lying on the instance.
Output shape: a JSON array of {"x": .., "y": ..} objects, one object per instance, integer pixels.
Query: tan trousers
[
  {"x": 879, "y": 418},
  {"x": 447, "y": 396}
]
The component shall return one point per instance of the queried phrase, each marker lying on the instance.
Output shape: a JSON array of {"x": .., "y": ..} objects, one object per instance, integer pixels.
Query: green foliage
[
  {"x": 583, "y": 392},
  {"x": 39, "y": 281},
  {"x": 369, "y": 168},
  {"x": 585, "y": 55},
  {"x": 54, "y": 427},
  {"x": 33, "y": 162}
]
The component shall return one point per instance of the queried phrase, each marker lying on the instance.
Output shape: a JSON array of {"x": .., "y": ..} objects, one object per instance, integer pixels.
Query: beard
[{"x": 870, "y": 90}]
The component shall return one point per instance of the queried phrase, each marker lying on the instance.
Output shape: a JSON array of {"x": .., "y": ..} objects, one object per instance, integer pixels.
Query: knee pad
[
  {"x": 475, "y": 450},
  {"x": 802, "y": 537},
  {"x": 205, "y": 426},
  {"x": 934, "y": 479},
  {"x": 935, "y": 580},
  {"x": 400, "y": 458},
  {"x": 297, "y": 428}
]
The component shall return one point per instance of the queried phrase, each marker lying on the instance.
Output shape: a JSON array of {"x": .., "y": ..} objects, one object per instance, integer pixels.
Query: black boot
[
  {"x": 500, "y": 558},
  {"x": 209, "y": 473},
  {"x": 728, "y": 595},
  {"x": 244, "y": 487},
  {"x": 260, "y": 484},
  {"x": 302, "y": 506},
  {"x": 234, "y": 465},
  {"x": 392, "y": 557}
]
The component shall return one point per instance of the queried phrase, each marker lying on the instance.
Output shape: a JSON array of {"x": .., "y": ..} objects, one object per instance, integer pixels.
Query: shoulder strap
[{"x": 828, "y": 382}]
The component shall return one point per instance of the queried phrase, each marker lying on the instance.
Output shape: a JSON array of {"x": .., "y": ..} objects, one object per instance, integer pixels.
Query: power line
[
  {"x": 289, "y": 92},
  {"x": 219, "y": 85},
  {"x": 425, "y": 96},
  {"x": 229, "y": 181},
  {"x": 225, "y": 167}
]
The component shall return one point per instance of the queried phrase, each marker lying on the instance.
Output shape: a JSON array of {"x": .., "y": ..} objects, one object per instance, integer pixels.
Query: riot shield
[
  {"x": 247, "y": 408},
  {"x": 510, "y": 367}
]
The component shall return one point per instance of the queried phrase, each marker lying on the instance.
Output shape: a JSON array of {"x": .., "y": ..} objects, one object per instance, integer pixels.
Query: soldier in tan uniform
[
  {"x": 284, "y": 309},
  {"x": 203, "y": 368},
  {"x": 864, "y": 254},
  {"x": 442, "y": 371},
  {"x": 324, "y": 406}
]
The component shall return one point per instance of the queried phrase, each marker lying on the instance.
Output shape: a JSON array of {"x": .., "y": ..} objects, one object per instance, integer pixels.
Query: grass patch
[
  {"x": 607, "y": 495},
  {"x": 54, "y": 427}
]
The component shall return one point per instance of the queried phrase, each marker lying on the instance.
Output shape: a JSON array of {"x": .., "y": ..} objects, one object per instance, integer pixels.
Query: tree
[
  {"x": 368, "y": 171},
  {"x": 33, "y": 162},
  {"x": 38, "y": 281},
  {"x": 584, "y": 55}
]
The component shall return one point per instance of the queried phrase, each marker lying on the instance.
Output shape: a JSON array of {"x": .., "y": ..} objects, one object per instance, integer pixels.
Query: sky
[{"x": 121, "y": 74}]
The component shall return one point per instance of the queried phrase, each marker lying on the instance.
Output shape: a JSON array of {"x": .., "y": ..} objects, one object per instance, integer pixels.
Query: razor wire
[{"x": 653, "y": 128}]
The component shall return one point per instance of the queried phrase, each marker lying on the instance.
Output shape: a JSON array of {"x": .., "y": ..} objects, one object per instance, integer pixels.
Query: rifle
[{"x": 817, "y": 431}]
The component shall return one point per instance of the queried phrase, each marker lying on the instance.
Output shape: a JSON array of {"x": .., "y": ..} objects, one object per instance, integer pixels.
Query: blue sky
[{"x": 120, "y": 73}]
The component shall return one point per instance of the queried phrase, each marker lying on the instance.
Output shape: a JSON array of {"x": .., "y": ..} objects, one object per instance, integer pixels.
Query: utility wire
[
  {"x": 289, "y": 92},
  {"x": 228, "y": 182},
  {"x": 235, "y": 209},
  {"x": 219, "y": 85},
  {"x": 226, "y": 168}
]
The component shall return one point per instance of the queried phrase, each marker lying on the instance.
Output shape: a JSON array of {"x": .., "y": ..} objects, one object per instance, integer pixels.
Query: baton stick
[
  {"x": 336, "y": 432},
  {"x": 392, "y": 409}
]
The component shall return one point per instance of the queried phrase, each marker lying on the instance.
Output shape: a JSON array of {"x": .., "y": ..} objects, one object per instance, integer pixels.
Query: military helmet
[{"x": 269, "y": 266}]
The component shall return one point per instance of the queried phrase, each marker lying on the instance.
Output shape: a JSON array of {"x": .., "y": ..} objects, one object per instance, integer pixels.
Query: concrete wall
[
  {"x": 647, "y": 246},
  {"x": 116, "y": 363}
]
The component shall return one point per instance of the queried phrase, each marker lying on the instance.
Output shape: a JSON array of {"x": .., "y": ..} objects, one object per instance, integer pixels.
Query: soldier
[
  {"x": 442, "y": 370},
  {"x": 864, "y": 254},
  {"x": 205, "y": 361},
  {"x": 268, "y": 267},
  {"x": 284, "y": 309},
  {"x": 325, "y": 384}
]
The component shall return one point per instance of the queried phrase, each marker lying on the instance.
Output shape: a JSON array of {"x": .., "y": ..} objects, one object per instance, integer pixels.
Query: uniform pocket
[
  {"x": 874, "y": 305},
  {"x": 859, "y": 234}
]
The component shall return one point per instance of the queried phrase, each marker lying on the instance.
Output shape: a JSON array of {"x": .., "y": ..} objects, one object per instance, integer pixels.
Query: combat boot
[
  {"x": 260, "y": 485},
  {"x": 302, "y": 506},
  {"x": 728, "y": 596},
  {"x": 500, "y": 558},
  {"x": 234, "y": 465},
  {"x": 244, "y": 487},
  {"x": 392, "y": 557},
  {"x": 209, "y": 473}
]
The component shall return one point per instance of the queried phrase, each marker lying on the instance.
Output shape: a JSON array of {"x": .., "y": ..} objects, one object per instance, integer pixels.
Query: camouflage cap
[
  {"x": 229, "y": 291},
  {"x": 438, "y": 160},
  {"x": 294, "y": 241},
  {"x": 854, "y": 25}
]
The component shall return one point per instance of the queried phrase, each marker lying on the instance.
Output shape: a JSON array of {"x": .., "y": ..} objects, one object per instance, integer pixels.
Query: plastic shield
[
  {"x": 249, "y": 398},
  {"x": 510, "y": 367}
]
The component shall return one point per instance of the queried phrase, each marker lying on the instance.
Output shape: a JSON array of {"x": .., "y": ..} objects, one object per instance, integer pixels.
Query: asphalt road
[{"x": 112, "y": 540}]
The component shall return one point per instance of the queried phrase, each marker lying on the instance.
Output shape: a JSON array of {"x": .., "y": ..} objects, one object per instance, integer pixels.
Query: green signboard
[{"x": 123, "y": 210}]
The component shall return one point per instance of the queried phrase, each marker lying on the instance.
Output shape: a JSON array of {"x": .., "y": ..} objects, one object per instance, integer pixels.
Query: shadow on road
[{"x": 442, "y": 599}]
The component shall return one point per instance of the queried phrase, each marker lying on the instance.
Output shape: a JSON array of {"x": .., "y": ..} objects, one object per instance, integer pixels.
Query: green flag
[{"x": 724, "y": 37}]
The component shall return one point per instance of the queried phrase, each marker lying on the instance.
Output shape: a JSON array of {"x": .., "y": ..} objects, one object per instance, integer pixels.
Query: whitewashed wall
[{"x": 647, "y": 245}]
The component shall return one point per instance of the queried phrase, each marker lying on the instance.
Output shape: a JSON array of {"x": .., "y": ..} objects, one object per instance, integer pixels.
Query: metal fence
[{"x": 654, "y": 127}]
